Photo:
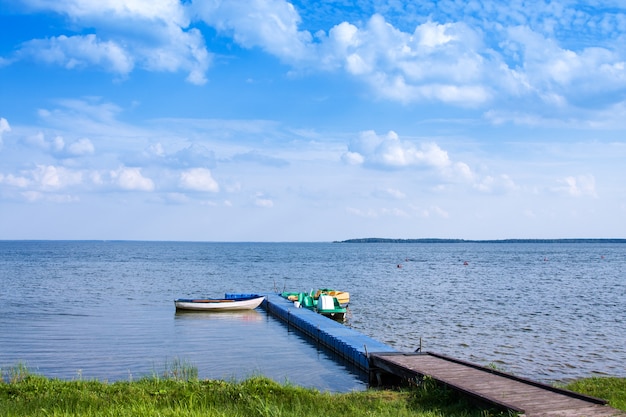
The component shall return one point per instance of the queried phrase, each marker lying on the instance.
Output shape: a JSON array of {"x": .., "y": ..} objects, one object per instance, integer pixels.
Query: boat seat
[{"x": 307, "y": 302}]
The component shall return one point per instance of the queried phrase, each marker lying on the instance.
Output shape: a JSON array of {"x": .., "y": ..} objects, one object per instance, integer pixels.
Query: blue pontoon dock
[{"x": 347, "y": 343}]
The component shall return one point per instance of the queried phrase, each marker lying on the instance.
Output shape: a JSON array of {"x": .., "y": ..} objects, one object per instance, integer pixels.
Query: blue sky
[{"x": 312, "y": 121}]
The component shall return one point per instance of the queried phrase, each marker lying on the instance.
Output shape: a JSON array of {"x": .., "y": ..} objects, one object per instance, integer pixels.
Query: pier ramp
[{"x": 520, "y": 395}]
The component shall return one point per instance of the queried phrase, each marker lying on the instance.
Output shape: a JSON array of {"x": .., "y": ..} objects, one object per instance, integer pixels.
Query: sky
[{"x": 304, "y": 121}]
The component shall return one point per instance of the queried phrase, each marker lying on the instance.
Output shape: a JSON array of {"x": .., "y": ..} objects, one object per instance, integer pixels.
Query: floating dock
[
  {"x": 347, "y": 343},
  {"x": 519, "y": 395}
]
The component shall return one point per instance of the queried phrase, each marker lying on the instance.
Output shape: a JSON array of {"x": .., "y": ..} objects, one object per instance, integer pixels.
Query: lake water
[{"x": 550, "y": 312}]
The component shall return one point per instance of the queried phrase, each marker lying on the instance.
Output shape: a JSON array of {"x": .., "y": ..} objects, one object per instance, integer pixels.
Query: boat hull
[{"x": 218, "y": 304}]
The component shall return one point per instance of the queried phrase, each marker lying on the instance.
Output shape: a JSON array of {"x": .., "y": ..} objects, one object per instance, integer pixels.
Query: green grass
[
  {"x": 178, "y": 392},
  {"x": 258, "y": 396},
  {"x": 608, "y": 388}
]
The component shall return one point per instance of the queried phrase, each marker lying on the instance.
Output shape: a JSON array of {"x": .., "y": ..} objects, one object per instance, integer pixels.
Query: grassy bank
[
  {"x": 612, "y": 389},
  {"x": 23, "y": 394}
]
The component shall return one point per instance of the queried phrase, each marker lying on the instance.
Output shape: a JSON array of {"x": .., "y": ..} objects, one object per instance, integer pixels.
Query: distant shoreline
[{"x": 434, "y": 240}]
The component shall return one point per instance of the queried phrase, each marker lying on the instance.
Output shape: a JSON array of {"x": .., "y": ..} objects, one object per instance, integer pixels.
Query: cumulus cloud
[
  {"x": 467, "y": 55},
  {"x": 198, "y": 179},
  {"x": 169, "y": 10},
  {"x": 15, "y": 180},
  {"x": 547, "y": 62},
  {"x": 352, "y": 158},
  {"x": 49, "y": 177},
  {"x": 78, "y": 52},
  {"x": 388, "y": 151},
  {"x": 440, "y": 62},
  {"x": 131, "y": 179},
  {"x": 57, "y": 146},
  {"x": 269, "y": 24},
  {"x": 469, "y": 63},
  {"x": 152, "y": 35}
]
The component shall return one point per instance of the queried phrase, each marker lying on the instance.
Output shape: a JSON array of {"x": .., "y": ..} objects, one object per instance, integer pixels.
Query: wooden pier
[{"x": 523, "y": 396}]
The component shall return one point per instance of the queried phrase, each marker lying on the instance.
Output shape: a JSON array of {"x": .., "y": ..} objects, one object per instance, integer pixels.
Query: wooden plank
[{"x": 505, "y": 390}]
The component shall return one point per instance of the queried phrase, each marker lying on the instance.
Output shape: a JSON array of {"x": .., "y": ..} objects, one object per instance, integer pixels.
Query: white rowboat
[{"x": 218, "y": 304}]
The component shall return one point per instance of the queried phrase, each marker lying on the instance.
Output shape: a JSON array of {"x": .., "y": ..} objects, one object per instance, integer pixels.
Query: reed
[
  {"x": 179, "y": 370},
  {"x": 15, "y": 373}
]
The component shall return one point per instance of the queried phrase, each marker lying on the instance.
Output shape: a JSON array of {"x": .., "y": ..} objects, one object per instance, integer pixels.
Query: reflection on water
[{"x": 242, "y": 315}]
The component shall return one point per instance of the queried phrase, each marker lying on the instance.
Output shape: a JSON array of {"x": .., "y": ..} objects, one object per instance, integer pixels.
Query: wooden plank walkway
[{"x": 520, "y": 395}]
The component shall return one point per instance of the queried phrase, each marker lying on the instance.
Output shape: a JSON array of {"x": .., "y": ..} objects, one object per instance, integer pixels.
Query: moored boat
[
  {"x": 324, "y": 304},
  {"x": 329, "y": 306},
  {"x": 342, "y": 296},
  {"x": 218, "y": 304}
]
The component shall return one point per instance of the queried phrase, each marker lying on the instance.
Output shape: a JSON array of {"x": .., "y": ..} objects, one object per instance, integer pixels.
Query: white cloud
[
  {"x": 427, "y": 212},
  {"x": 438, "y": 211},
  {"x": 449, "y": 62},
  {"x": 440, "y": 62},
  {"x": 198, "y": 179},
  {"x": 475, "y": 59},
  {"x": 579, "y": 186},
  {"x": 58, "y": 143},
  {"x": 78, "y": 52},
  {"x": 168, "y": 10},
  {"x": 370, "y": 214},
  {"x": 390, "y": 152},
  {"x": 551, "y": 71},
  {"x": 37, "y": 140},
  {"x": 49, "y": 177},
  {"x": 261, "y": 201},
  {"x": 132, "y": 179},
  {"x": 352, "y": 158},
  {"x": 391, "y": 193},
  {"x": 4, "y": 127},
  {"x": 376, "y": 213},
  {"x": 71, "y": 109},
  {"x": 15, "y": 181},
  {"x": 432, "y": 35},
  {"x": 81, "y": 147},
  {"x": 152, "y": 35},
  {"x": 269, "y": 24},
  {"x": 498, "y": 184}
]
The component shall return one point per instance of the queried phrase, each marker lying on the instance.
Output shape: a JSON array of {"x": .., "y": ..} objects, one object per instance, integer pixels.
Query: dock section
[
  {"x": 347, "y": 343},
  {"x": 520, "y": 395}
]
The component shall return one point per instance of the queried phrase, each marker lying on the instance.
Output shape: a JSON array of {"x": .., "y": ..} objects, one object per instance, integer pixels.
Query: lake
[{"x": 89, "y": 309}]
